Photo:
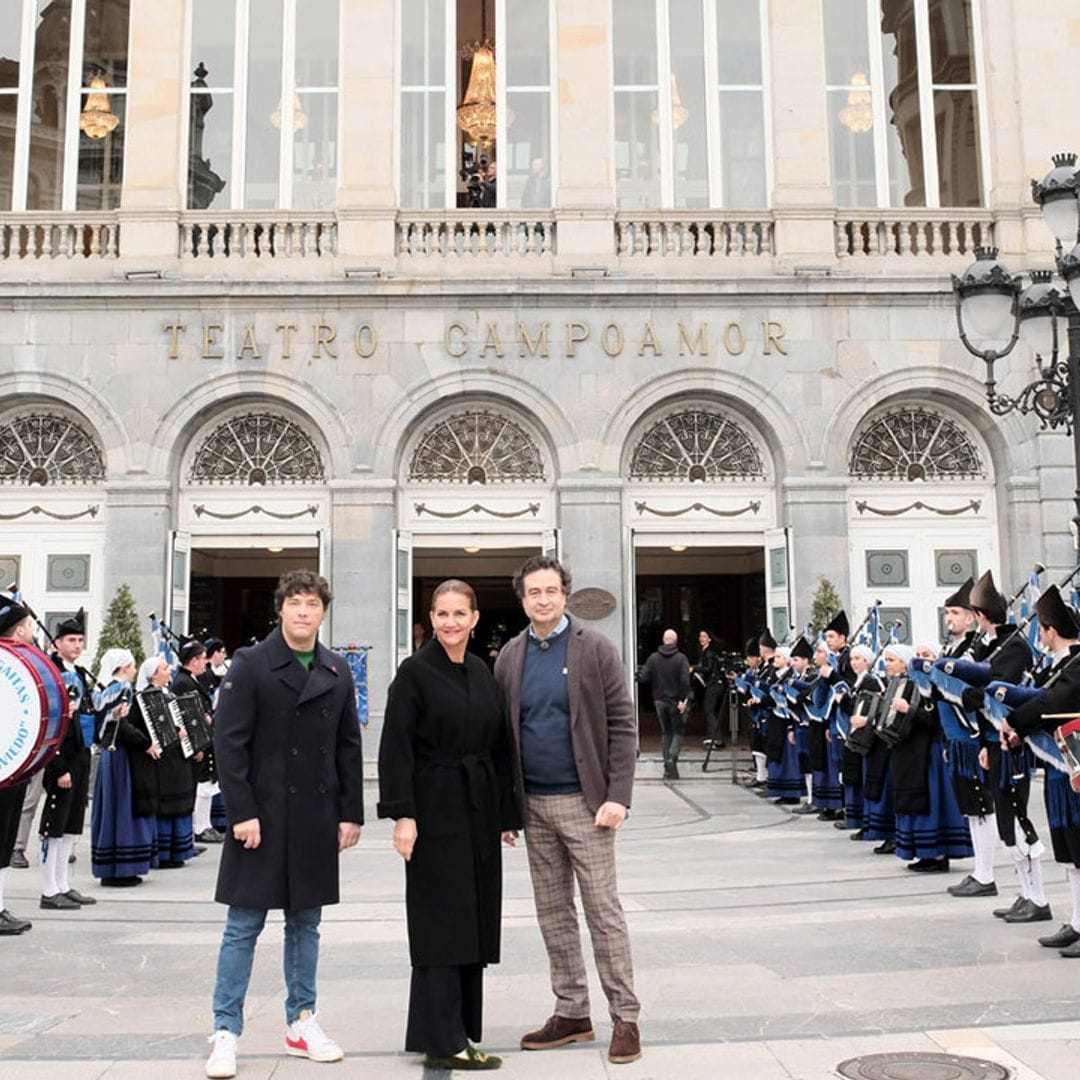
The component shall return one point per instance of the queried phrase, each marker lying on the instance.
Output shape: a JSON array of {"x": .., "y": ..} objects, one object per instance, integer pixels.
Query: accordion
[
  {"x": 861, "y": 739},
  {"x": 894, "y": 727},
  {"x": 189, "y": 716},
  {"x": 159, "y": 722}
]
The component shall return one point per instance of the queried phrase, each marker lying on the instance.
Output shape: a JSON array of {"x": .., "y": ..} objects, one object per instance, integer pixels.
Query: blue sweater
[{"x": 547, "y": 755}]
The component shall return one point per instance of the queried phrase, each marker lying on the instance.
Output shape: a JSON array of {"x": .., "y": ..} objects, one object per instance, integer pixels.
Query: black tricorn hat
[
  {"x": 1055, "y": 613},
  {"x": 75, "y": 625},
  {"x": 802, "y": 648},
  {"x": 986, "y": 598},
  {"x": 766, "y": 640},
  {"x": 11, "y": 613},
  {"x": 962, "y": 596},
  {"x": 840, "y": 624},
  {"x": 752, "y": 647}
]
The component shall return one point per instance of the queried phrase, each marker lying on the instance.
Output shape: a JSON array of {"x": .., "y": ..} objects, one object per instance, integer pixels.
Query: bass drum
[
  {"x": 33, "y": 711},
  {"x": 1068, "y": 739}
]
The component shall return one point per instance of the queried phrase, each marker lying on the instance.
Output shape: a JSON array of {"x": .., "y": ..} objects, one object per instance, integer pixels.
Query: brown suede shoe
[
  {"x": 558, "y": 1031},
  {"x": 625, "y": 1043}
]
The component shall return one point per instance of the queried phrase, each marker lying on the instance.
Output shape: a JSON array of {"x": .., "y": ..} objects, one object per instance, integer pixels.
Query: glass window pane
[
  {"x": 10, "y": 35},
  {"x": 213, "y": 40},
  {"x": 423, "y": 42},
  {"x": 317, "y": 43},
  {"x": 264, "y": 106},
  {"x": 738, "y": 37},
  {"x": 742, "y": 145},
  {"x": 527, "y": 43},
  {"x": 101, "y": 163},
  {"x": 691, "y": 143},
  {"x": 904, "y": 133},
  {"x": 524, "y": 162},
  {"x": 635, "y": 42},
  {"x": 210, "y": 153},
  {"x": 105, "y": 43},
  {"x": 637, "y": 149},
  {"x": 315, "y": 154},
  {"x": 852, "y": 142},
  {"x": 8, "y": 104},
  {"x": 423, "y": 150},
  {"x": 846, "y": 44},
  {"x": 950, "y": 42},
  {"x": 959, "y": 169},
  {"x": 48, "y": 107}
]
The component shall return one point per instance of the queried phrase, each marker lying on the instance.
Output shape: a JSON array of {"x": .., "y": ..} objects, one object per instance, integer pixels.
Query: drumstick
[{"x": 1061, "y": 715}]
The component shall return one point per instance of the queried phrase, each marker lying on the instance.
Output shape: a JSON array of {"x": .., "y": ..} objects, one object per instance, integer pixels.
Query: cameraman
[{"x": 708, "y": 674}]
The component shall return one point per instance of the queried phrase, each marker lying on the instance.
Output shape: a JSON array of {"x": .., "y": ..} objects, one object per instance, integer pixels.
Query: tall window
[
  {"x": 690, "y": 103},
  {"x": 263, "y": 113},
  {"x": 438, "y": 159},
  {"x": 63, "y": 85},
  {"x": 904, "y": 102}
]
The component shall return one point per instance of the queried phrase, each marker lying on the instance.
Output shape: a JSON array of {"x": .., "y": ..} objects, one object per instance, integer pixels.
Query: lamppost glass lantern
[
  {"x": 1037, "y": 311},
  {"x": 986, "y": 294},
  {"x": 1057, "y": 194}
]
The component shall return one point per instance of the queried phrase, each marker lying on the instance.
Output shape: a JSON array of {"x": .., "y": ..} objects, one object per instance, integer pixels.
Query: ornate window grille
[
  {"x": 915, "y": 444},
  {"x": 476, "y": 447},
  {"x": 46, "y": 448},
  {"x": 696, "y": 444},
  {"x": 257, "y": 448}
]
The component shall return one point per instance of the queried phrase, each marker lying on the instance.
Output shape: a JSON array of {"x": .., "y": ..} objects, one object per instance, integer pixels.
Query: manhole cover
[{"x": 919, "y": 1066}]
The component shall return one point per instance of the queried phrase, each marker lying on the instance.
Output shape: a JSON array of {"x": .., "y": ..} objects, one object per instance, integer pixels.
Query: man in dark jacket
[
  {"x": 287, "y": 740},
  {"x": 667, "y": 674}
]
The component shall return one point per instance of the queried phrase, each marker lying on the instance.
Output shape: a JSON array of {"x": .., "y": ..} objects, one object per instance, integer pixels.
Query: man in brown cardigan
[{"x": 573, "y": 723}]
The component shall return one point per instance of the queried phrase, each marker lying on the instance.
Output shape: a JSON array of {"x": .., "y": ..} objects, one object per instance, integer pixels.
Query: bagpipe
[
  {"x": 951, "y": 677},
  {"x": 753, "y": 687}
]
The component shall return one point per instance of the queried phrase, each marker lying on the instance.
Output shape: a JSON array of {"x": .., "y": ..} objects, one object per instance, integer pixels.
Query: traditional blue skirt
[
  {"x": 121, "y": 845},
  {"x": 942, "y": 833},
  {"x": 879, "y": 819},
  {"x": 785, "y": 776},
  {"x": 176, "y": 842},
  {"x": 854, "y": 806},
  {"x": 828, "y": 794},
  {"x": 218, "y": 818},
  {"x": 1063, "y": 814}
]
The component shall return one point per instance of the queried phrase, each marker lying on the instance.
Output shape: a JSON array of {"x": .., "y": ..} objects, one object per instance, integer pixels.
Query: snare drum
[
  {"x": 1068, "y": 739},
  {"x": 33, "y": 711}
]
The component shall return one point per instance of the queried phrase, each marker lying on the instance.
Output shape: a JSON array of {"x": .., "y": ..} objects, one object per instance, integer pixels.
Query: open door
[
  {"x": 178, "y": 581},
  {"x": 401, "y": 631},
  {"x": 779, "y": 587},
  {"x": 630, "y": 615}
]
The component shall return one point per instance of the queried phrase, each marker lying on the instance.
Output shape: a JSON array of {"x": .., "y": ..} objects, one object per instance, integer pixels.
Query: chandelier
[
  {"x": 476, "y": 113},
  {"x": 299, "y": 117},
  {"x": 679, "y": 112},
  {"x": 857, "y": 115},
  {"x": 97, "y": 120}
]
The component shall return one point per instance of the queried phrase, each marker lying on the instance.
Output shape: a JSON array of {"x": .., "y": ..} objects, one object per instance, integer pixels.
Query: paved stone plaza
[{"x": 766, "y": 946}]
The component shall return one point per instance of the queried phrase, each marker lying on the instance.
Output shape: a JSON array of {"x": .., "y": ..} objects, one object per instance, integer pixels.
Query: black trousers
[
  {"x": 446, "y": 1007},
  {"x": 11, "y": 800}
]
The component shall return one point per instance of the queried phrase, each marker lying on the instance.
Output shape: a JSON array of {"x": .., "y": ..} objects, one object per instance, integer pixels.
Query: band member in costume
[
  {"x": 860, "y": 658},
  {"x": 837, "y": 673},
  {"x": 880, "y": 812},
  {"x": 176, "y": 773},
  {"x": 786, "y": 783},
  {"x": 752, "y": 671},
  {"x": 802, "y": 652}
]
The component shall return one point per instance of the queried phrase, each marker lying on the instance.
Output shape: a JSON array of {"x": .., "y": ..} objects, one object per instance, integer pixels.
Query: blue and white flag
[
  {"x": 1028, "y": 598},
  {"x": 356, "y": 657},
  {"x": 161, "y": 644}
]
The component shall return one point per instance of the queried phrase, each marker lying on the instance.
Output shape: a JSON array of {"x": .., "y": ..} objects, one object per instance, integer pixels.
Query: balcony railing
[
  {"x": 59, "y": 236},
  {"x": 267, "y": 235},
  {"x": 474, "y": 234},
  {"x": 907, "y": 233},
  {"x": 687, "y": 233}
]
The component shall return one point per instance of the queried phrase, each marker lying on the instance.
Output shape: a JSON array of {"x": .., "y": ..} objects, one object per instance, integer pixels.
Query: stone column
[
  {"x": 366, "y": 192},
  {"x": 585, "y": 196},
  {"x": 154, "y": 175},
  {"x": 802, "y": 196},
  {"x": 817, "y": 508}
]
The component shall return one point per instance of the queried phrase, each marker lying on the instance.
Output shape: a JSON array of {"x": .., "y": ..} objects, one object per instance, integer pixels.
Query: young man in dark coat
[{"x": 287, "y": 739}]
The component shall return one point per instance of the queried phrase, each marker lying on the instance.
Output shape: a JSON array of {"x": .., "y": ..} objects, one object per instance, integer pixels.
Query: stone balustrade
[
  {"x": 694, "y": 233},
  {"x": 258, "y": 235},
  {"x": 906, "y": 233},
  {"x": 474, "y": 234},
  {"x": 50, "y": 236}
]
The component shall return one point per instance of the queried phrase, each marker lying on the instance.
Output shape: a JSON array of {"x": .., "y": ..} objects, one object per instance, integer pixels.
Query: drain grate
[{"x": 921, "y": 1066}]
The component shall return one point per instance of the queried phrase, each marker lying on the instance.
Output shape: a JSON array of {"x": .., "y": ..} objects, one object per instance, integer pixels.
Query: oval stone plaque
[{"x": 591, "y": 603}]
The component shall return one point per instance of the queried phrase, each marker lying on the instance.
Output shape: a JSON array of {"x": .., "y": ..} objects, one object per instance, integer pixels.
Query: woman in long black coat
[{"x": 445, "y": 775}]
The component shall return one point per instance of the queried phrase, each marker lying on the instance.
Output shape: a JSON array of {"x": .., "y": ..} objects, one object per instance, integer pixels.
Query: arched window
[
  {"x": 915, "y": 443},
  {"x": 47, "y": 448},
  {"x": 257, "y": 448},
  {"x": 476, "y": 447},
  {"x": 696, "y": 444}
]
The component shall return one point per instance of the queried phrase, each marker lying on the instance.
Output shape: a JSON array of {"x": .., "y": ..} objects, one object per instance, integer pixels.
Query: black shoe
[
  {"x": 1071, "y": 952},
  {"x": 831, "y": 815},
  {"x": 842, "y": 823},
  {"x": 10, "y": 924},
  {"x": 1064, "y": 938},
  {"x": 929, "y": 866},
  {"x": 79, "y": 898},
  {"x": 19, "y": 861},
  {"x": 210, "y": 836},
  {"x": 806, "y": 808},
  {"x": 1001, "y": 912},
  {"x": 469, "y": 1060},
  {"x": 971, "y": 887},
  {"x": 858, "y": 834},
  {"x": 1030, "y": 912},
  {"x": 121, "y": 882},
  {"x": 886, "y": 847},
  {"x": 59, "y": 902},
  {"x": 169, "y": 864}
]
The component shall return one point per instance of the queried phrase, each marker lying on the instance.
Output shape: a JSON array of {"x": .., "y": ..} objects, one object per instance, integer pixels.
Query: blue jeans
[{"x": 301, "y": 955}]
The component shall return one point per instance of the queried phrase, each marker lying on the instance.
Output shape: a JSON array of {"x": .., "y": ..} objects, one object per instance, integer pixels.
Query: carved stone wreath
[
  {"x": 476, "y": 447},
  {"x": 915, "y": 443},
  {"x": 696, "y": 444},
  {"x": 257, "y": 448},
  {"x": 46, "y": 448}
]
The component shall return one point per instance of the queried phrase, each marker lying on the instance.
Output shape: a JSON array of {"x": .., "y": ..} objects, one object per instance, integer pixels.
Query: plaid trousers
[{"x": 564, "y": 844}]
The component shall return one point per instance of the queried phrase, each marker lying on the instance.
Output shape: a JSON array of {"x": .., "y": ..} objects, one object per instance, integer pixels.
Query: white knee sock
[
  {"x": 1074, "y": 883},
  {"x": 809, "y": 778},
  {"x": 1020, "y": 865},
  {"x": 201, "y": 817},
  {"x": 761, "y": 762},
  {"x": 50, "y": 881},
  {"x": 1036, "y": 892},
  {"x": 65, "y": 844},
  {"x": 984, "y": 839}
]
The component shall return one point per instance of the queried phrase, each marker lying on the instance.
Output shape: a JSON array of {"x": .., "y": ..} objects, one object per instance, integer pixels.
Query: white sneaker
[
  {"x": 304, "y": 1038},
  {"x": 221, "y": 1063}
]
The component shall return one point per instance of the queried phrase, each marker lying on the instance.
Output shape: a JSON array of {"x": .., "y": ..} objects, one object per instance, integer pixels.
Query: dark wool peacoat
[
  {"x": 288, "y": 753},
  {"x": 444, "y": 759}
]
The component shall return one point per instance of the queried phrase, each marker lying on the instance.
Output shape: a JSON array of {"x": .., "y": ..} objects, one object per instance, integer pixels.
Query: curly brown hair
[{"x": 293, "y": 582}]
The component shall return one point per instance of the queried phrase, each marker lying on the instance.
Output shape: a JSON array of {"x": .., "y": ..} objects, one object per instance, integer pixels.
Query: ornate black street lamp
[{"x": 992, "y": 305}]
